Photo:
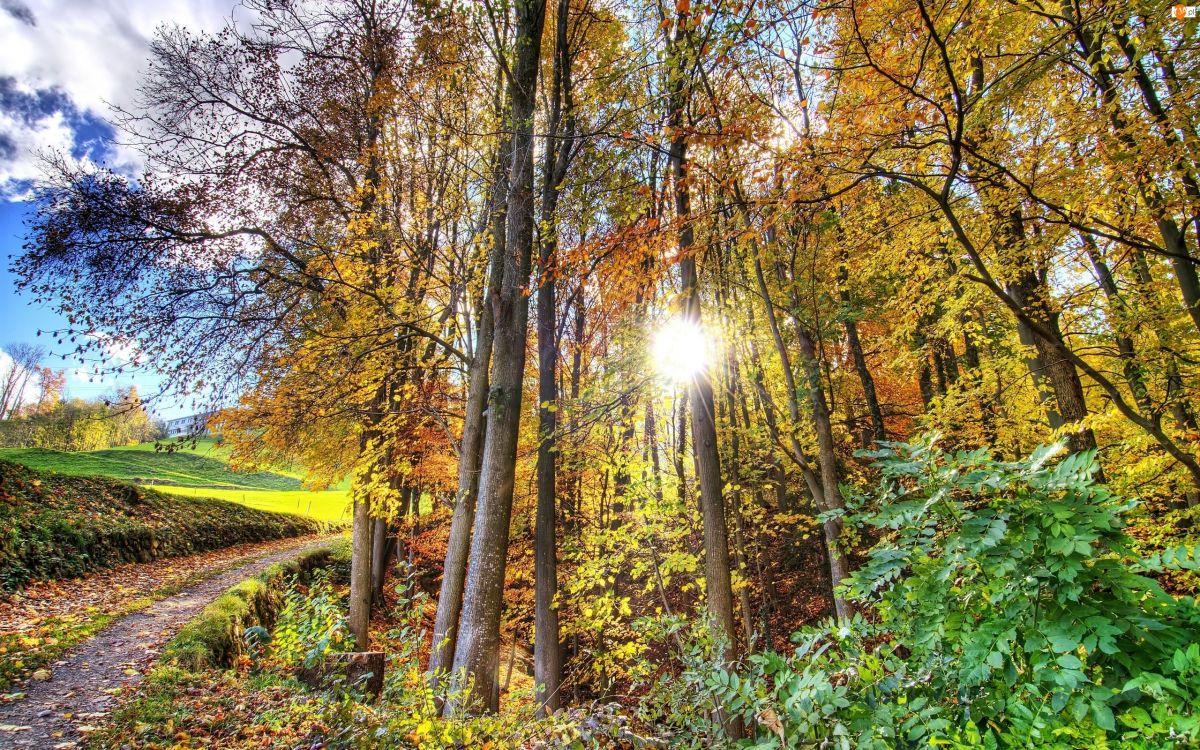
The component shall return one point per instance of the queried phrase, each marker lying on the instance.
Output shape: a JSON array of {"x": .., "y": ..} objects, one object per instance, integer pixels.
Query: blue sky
[{"x": 65, "y": 64}]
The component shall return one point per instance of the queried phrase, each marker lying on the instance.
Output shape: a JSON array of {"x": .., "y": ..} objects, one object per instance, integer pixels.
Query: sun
[{"x": 681, "y": 350}]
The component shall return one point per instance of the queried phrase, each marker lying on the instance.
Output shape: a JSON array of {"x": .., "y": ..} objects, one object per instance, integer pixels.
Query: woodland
[{"x": 805, "y": 373}]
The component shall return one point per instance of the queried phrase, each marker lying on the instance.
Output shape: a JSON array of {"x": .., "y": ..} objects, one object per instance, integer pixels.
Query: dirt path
[{"x": 55, "y": 713}]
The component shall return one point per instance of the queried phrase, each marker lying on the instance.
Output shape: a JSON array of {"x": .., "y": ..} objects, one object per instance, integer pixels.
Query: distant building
[{"x": 194, "y": 425}]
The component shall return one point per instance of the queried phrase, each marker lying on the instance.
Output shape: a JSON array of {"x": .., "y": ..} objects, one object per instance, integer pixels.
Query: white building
[{"x": 194, "y": 425}]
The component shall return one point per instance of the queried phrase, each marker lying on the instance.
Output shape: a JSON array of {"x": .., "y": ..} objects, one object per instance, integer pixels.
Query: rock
[{"x": 40, "y": 675}]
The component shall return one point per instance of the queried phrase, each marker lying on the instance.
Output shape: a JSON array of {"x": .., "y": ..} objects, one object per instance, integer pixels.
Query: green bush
[
  {"x": 215, "y": 639},
  {"x": 311, "y": 624},
  {"x": 1006, "y": 608},
  {"x": 57, "y": 526}
]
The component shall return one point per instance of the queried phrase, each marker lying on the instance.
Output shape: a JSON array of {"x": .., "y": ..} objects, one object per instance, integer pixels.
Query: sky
[{"x": 65, "y": 64}]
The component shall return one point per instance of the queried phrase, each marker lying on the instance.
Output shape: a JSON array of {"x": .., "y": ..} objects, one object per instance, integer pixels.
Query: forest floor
[
  {"x": 58, "y": 706},
  {"x": 261, "y": 704}
]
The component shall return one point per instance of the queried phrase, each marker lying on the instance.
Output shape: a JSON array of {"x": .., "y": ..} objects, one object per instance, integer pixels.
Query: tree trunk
[
  {"x": 476, "y": 651},
  {"x": 829, "y": 473},
  {"x": 360, "y": 574},
  {"x": 735, "y": 498},
  {"x": 718, "y": 588},
  {"x": 1134, "y": 376},
  {"x": 379, "y": 541},
  {"x": 1029, "y": 291},
  {"x": 454, "y": 572},
  {"x": 547, "y": 652},
  {"x": 700, "y": 397},
  {"x": 878, "y": 430},
  {"x": 572, "y": 499}
]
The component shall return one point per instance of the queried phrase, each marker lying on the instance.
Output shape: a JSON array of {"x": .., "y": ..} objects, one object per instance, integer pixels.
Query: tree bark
[
  {"x": 1134, "y": 376},
  {"x": 379, "y": 541},
  {"x": 454, "y": 572},
  {"x": 547, "y": 652},
  {"x": 878, "y": 430},
  {"x": 360, "y": 574},
  {"x": 829, "y": 473},
  {"x": 476, "y": 651}
]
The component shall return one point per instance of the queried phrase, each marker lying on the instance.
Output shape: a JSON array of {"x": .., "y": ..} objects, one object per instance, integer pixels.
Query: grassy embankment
[
  {"x": 201, "y": 471},
  {"x": 59, "y": 526}
]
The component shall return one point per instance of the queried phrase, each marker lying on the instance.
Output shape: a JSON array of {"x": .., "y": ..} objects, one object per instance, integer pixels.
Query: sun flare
[{"x": 681, "y": 350}]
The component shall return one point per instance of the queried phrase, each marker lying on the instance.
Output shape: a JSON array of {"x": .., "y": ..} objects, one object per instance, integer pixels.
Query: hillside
[
  {"x": 203, "y": 466},
  {"x": 60, "y": 526},
  {"x": 200, "y": 471}
]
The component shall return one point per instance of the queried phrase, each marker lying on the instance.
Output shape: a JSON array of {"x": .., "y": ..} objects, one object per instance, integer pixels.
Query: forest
[{"x": 776, "y": 373}]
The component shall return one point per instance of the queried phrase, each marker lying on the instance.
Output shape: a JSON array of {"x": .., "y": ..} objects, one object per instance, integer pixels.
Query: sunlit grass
[
  {"x": 210, "y": 448},
  {"x": 145, "y": 466},
  {"x": 331, "y": 505}
]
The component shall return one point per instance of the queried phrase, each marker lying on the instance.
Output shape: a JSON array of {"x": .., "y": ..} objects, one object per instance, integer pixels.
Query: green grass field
[
  {"x": 199, "y": 471},
  {"x": 332, "y": 505}
]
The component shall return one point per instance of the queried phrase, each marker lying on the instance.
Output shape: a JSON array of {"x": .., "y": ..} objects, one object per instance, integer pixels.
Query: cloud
[
  {"x": 39, "y": 121},
  {"x": 65, "y": 62},
  {"x": 19, "y": 11},
  {"x": 119, "y": 351}
]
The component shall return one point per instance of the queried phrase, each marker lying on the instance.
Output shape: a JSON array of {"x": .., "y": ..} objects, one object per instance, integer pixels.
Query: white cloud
[
  {"x": 94, "y": 50},
  {"x": 25, "y": 140},
  {"x": 68, "y": 61}
]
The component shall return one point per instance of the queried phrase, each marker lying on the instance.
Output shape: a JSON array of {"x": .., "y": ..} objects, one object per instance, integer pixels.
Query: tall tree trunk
[
  {"x": 829, "y": 473},
  {"x": 547, "y": 652},
  {"x": 1134, "y": 376},
  {"x": 681, "y": 431},
  {"x": 718, "y": 587},
  {"x": 571, "y": 501},
  {"x": 454, "y": 572},
  {"x": 379, "y": 543},
  {"x": 878, "y": 430},
  {"x": 1030, "y": 292},
  {"x": 359, "y": 616},
  {"x": 816, "y": 485},
  {"x": 547, "y": 658},
  {"x": 476, "y": 651},
  {"x": 360, "y": 573},
  {"x": 735, "y": 496},
  {"x": 651, "y": 434}
]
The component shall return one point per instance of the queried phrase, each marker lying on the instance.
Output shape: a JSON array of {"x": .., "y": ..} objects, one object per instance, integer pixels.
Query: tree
[
  {"x": 718, "y": 587},
  {"x": 22, "y": 369},
  {"x": 557, "y": 155},
  {"x": 477, "y": 647}
]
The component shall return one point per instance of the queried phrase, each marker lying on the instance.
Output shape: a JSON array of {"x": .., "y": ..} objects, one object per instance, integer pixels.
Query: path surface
[{"x": 56, "y": 713}]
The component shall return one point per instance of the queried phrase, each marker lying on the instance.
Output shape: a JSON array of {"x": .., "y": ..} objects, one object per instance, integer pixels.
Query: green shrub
[
  {"x": 310, "y": 625},
  {"x": 1007, "y": 609},
  {"x": 215, "y": 637}
]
